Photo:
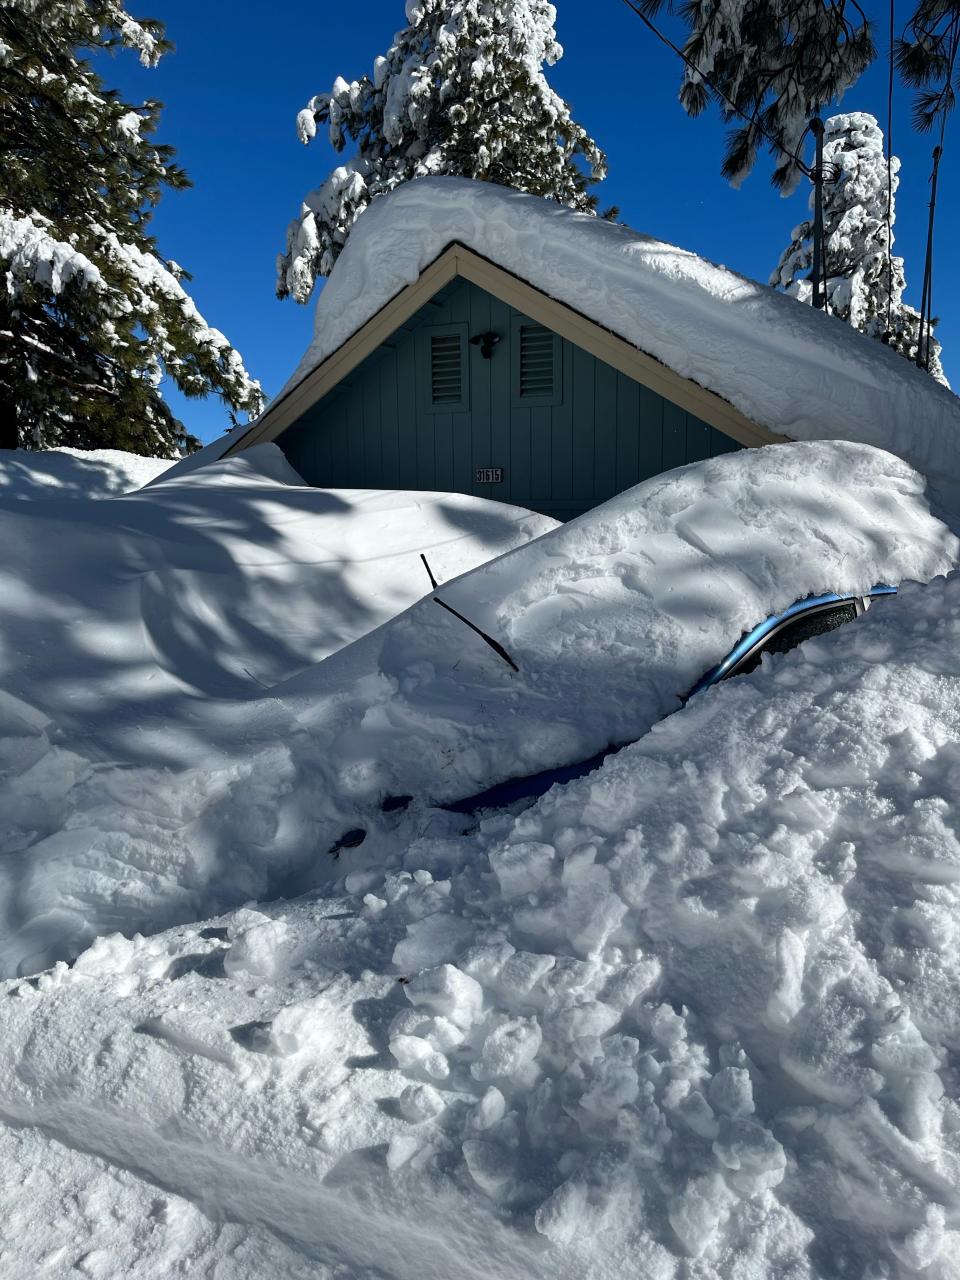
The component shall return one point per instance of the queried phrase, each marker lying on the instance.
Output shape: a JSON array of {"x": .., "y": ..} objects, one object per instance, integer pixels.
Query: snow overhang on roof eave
[{"x": 456, "y": 260}]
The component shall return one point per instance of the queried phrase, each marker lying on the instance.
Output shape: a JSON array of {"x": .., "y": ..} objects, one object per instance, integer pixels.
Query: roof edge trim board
[
  {"x": 458, "y": 260},
  {"x": 381, "y": 326},
  {"x": 613, "y": 350}
]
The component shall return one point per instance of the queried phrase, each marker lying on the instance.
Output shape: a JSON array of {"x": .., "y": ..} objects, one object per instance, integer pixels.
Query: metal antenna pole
[
  {"x": 926, "y": 301},
  {"x": 819, "y": 294}
]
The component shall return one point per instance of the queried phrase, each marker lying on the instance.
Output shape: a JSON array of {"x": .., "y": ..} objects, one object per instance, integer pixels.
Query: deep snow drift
[
  {"x": 137, "y": 636},
  {"x": 75, "y": 473},
  {"x": 693, "y": 1016},
  {"x": 149, "y": 778}
]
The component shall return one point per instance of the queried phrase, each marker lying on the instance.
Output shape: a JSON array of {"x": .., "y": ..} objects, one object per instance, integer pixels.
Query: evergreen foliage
[
  {"x": 461, "y": 91},
  {"x": 771, "y": 65},
  {"x": 862, "y": 272},
  {"x": 91, "y": 317},
  {"x": 928, "y": 56}
]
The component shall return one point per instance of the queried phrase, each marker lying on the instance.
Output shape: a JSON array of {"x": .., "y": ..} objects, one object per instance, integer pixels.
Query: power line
[
  {"x": 750, "y": 120},
  {"x": 815, "y": 174},
  {"x": 890, "y": 175}
]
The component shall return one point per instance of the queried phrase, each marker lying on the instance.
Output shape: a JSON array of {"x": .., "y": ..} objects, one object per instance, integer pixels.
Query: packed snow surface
[
  {"x": 173, "y": 747},
  {"x": 693, "y": 1016},
  {"x": 75, "y": 473},
  {"x": 786, "y": 367},
  {"x": 137, "y": 637}
]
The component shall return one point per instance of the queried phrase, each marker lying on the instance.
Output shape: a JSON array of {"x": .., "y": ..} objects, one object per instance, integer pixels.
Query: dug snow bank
[
  {"x": 136, "y": 638},
  {"x": 694, "y": 1015},
  {"x": 75, "y": 473},
  {"x": 788, "y": 368},
  {"x": 148, "y": 786}
]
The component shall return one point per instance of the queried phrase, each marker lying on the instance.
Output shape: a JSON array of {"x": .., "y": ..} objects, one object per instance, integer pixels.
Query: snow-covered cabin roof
[{"x": 787, "y": 369}]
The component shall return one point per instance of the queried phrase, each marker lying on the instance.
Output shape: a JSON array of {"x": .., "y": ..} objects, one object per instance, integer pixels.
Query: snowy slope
[
  {"x": 695, "y": 1015},
  {"x": 799, "y": 373},
  {"x": 137, "y": 636},
  {"x": 222, "y": 582},
  {"x": 149, "y": 779},
  {"x": 75, "y": 473}
]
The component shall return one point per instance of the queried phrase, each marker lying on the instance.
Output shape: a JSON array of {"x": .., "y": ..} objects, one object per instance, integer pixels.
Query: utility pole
[
  {"x": 926, "y": 301},
  {"x": 819, "y": 293}
]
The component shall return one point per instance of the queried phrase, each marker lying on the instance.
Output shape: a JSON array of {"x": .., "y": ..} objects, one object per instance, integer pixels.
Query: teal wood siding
[{"x": 602, "y": 433}]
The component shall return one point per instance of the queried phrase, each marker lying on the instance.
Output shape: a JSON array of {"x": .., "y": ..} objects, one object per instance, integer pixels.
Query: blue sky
[{"x": 241, "y": 72}]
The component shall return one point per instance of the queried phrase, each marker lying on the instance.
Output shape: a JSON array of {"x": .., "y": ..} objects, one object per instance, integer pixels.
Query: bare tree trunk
[{"x": 9, "y": 433}]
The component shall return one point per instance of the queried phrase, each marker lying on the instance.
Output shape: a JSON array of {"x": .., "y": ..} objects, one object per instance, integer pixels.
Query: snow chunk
[
  {"x": 522, "y": 868},
  {"x": 508, "y": 1049},
  {"x": 447, "y": 991}
]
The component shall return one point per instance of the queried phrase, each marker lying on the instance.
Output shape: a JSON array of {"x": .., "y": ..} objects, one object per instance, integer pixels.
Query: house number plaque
[{"x": 489, "y": 475}]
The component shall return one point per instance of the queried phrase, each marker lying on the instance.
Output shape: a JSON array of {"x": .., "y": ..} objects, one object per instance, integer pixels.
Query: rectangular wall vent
[
  {"x": 536, "y": 361},
  {"x": 446, "y": 374}
]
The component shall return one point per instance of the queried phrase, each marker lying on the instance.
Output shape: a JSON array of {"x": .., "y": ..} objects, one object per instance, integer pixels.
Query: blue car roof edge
[{"x": 752, "y": 637}]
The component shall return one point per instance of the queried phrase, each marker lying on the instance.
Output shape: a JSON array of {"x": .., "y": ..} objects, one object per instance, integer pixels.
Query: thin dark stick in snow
[
  {"x": 257, "y": 678},
  {"x": 495, "y": 645},
  {"x": 433, "y": 581}
]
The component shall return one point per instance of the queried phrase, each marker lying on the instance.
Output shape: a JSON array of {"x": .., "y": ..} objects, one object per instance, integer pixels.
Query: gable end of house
[{"x": 472, "y": 380}]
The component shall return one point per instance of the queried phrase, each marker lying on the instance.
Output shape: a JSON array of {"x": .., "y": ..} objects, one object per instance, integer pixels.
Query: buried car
[
  {"x": 803, "y": 620},
  {"x": 607, "y": 622}
]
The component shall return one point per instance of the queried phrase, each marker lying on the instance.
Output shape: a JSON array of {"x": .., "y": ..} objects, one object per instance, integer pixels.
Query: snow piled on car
[
  {"x": 610, "y": 618},
  {"x": 149, "y": 776},
  {"x": 693, "y": 1015}
]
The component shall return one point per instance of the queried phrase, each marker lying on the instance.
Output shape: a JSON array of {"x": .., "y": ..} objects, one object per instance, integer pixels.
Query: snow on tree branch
[
  {"x": 92, "y": 315},
  {"x": 865, "y": 280},
  {"x": 32, "y": 254},
  {"x": 461, "y": 91}
]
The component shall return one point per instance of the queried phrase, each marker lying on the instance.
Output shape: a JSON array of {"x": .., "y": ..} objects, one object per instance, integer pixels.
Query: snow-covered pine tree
[
  {"x": 861, "y": 270},
  {"x": 91, "y": 317},
  {"x": 461, "y": 91},
  {"x": 771, "y": 66}
]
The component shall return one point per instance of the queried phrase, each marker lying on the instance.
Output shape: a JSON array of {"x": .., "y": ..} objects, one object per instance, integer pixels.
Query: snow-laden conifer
[
  {"x": 461, "y": 91},
  {"x": 861, "y": 270},
  {"x": 769, "y": 66},
  {"x": 928, "y": 55},
  {"x": 91, "y": 316}
]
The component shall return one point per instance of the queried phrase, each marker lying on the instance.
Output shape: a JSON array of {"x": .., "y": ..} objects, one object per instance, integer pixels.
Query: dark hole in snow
[
  {"x": 531, "y": 787},
  {"x": 206, "y": 964},
  {"x": 394, "y": 803},
  {"x": 254, "y": 1036},
  {"x": 349, "y": 840},
  {"x": 210, "y": 933}
]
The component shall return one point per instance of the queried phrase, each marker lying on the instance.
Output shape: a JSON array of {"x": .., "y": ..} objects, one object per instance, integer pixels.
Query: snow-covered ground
[
  {"x": 692, "y": 1017},
  {"x": 137, "y": 638},
  {"x": 75, "y": 473}
]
